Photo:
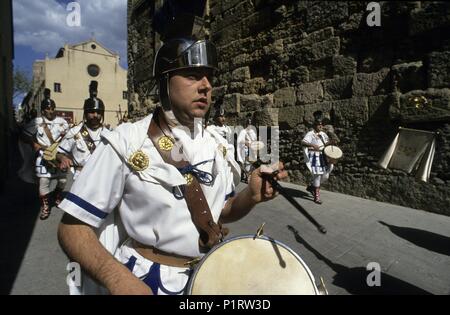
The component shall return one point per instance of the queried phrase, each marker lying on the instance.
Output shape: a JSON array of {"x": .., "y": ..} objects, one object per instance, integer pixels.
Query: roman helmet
[
  {"x": 181, "y": 53},
  {"x": 93, "y": 103},
  {"x": 47, "y": 102}
]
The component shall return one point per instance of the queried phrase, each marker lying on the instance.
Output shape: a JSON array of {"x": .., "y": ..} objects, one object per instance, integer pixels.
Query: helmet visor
[{"x": 200, "y": 54}]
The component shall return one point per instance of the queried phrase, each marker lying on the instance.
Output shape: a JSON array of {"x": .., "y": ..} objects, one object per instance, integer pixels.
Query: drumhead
[
  {"x": 247, "y": 266},
  {"x": 332, "y": 151}
]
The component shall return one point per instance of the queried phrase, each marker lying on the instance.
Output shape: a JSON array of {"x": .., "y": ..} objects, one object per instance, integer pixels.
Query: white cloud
[{"x": 42, "y": 25}]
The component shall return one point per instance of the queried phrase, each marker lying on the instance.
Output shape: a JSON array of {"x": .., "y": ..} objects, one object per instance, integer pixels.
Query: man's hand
[
  {"x": 315, "y": 147},
  {"x": 260, "y": 188},
  {"x": 65, "y": 162},
  {"x": 36, "y": 146}
]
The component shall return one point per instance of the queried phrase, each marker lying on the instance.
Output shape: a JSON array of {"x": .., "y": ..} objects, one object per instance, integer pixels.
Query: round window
[
  {"x": 93, "y": 46},
  {"x": 93, "y": 70}
]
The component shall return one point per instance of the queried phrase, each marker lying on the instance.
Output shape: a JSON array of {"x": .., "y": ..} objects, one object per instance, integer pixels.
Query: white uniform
[
  {"x": 57, "y": 127},
  {"x": 224, "y": 131},
  {"x": 76, "y": 147},
  {"x": 315, "y": 160},
  {"x": 244, "y": 154},
  {"x": 149, "y": 211}
]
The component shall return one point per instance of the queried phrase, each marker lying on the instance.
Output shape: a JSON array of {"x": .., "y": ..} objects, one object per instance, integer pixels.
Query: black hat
[
  {"x": 93, "y": 103},
  {"x": 318, "y": 117},
  {"x": 47, "y": 102}
]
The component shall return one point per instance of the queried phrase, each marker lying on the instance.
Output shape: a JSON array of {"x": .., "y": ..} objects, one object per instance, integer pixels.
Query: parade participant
[
  {"x": 245, "y": 155},
  {"x": 219, "y": 125},
  {"x": 80, "y": 142},
  {"x": 46, "y": 130},
  {"x": 171, "y": 183},
  {"x": 314, "y": 143}
]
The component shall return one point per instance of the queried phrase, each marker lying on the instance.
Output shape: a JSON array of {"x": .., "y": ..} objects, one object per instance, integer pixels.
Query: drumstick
[{"x": 285, "y": 194}]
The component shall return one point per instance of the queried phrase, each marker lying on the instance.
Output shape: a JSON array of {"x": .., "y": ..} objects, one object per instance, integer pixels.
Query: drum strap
[{"x": 211, "y": 233}]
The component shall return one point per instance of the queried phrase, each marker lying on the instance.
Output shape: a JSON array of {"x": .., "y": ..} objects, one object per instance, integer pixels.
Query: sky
[{"x": 41, "y": 27}]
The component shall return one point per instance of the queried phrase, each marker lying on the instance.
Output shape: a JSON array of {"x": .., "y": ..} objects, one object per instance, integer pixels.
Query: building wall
[
  {"x": 287, "y": 59},
  {"x": 70, "y": 71},
  {"x": 6, "y": 86}
]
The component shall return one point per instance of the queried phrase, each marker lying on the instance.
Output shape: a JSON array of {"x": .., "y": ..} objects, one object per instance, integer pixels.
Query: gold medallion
[
  {"x": 139, "y": 161},
  {"x": 223, "y": 149},
  {"x": 165, "y": 143},
  {"x": 189, "y": 178},
  {"x": 84, "y": 133}
]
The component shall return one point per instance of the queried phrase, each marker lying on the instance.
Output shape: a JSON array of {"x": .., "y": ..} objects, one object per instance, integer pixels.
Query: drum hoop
[
  {"x": 324, "y": 151},
  {"x": 263, "y": 237}
]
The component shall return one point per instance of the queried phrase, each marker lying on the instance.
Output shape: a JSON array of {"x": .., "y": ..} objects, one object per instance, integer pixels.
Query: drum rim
[
  {"x": 334, "y": 146},
  {"x": 263, "y": 237}
]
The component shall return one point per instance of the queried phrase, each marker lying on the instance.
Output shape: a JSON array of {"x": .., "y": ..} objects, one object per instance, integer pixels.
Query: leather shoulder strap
[
  {"x": 211, "y": 233},
  {"x": 48, "y": 133},
  {"x": 87, "y": 138}
]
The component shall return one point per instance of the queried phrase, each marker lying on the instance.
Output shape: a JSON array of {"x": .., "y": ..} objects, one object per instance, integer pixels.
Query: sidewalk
[{"x": 411, "y": 246}]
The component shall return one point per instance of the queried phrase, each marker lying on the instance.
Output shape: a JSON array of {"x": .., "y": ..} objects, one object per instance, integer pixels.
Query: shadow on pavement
[
  {"x": 295, "y": 193},
  {"x": 353, "y": 280},
  {"x": 429, "y": 240},
  {"x": 19, "y": 206}
]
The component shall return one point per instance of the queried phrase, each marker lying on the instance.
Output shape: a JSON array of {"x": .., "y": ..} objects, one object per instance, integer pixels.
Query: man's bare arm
[{"x": 81, "y": 244}]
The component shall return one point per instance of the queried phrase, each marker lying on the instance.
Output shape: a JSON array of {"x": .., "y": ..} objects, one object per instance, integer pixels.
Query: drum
[
  {"x": 332, "y": 154},
  {"x": 246, "y": 265}
]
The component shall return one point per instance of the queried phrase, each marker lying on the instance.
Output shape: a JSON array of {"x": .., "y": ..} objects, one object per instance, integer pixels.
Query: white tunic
[
  {"x": 57, "y": 127},
  {"x": 224, "y": 131},
  {"x": 245, "y": 138},
  {"x": 76, "y": 148},
  {"x": 315, "y": 160},
  {"x": 148, "y": 209}
]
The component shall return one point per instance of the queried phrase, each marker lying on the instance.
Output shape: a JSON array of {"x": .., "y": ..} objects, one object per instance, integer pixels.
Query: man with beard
[
  {"x": 81, "y": 141},
  {"x": 44, "y": 132}
]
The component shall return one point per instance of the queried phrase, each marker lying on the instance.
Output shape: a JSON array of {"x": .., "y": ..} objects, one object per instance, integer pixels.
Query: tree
[{"x": 21, "y": 82}]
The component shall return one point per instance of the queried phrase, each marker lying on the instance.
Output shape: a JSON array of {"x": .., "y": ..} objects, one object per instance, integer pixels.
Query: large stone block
[
  {"x": 250, "y": 103},
  {"x": 291, "y": 116},
  {"x": 232, "y": 103},
  {"x": 439, "y": 70},
  {"x": 254, "y": 86},
  {"x": 339, "y": 88},
  {"x": 310, "y": 93},
  {"x": 408, "y": 76},
  {"x": 380, "y": 105},
  {"x": 343, "y": 65},
  {"x": 284, "y": 97},
  {"x": 368, "y": 84},
  {"x": 241, "y": 74},
  {"x": 353, "y": 111}
]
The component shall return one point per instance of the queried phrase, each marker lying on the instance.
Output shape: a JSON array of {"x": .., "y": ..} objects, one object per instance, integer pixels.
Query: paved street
[{"x": 412, "y": 247}]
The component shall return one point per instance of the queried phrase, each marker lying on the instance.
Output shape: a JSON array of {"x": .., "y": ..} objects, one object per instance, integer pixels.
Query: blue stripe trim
[
  {"x": 86, "y": 205},
  {"x": 231, "y": 194}
]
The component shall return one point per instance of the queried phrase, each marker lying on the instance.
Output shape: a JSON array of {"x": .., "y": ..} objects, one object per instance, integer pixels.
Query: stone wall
[{"x": 287, "y": 59}]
